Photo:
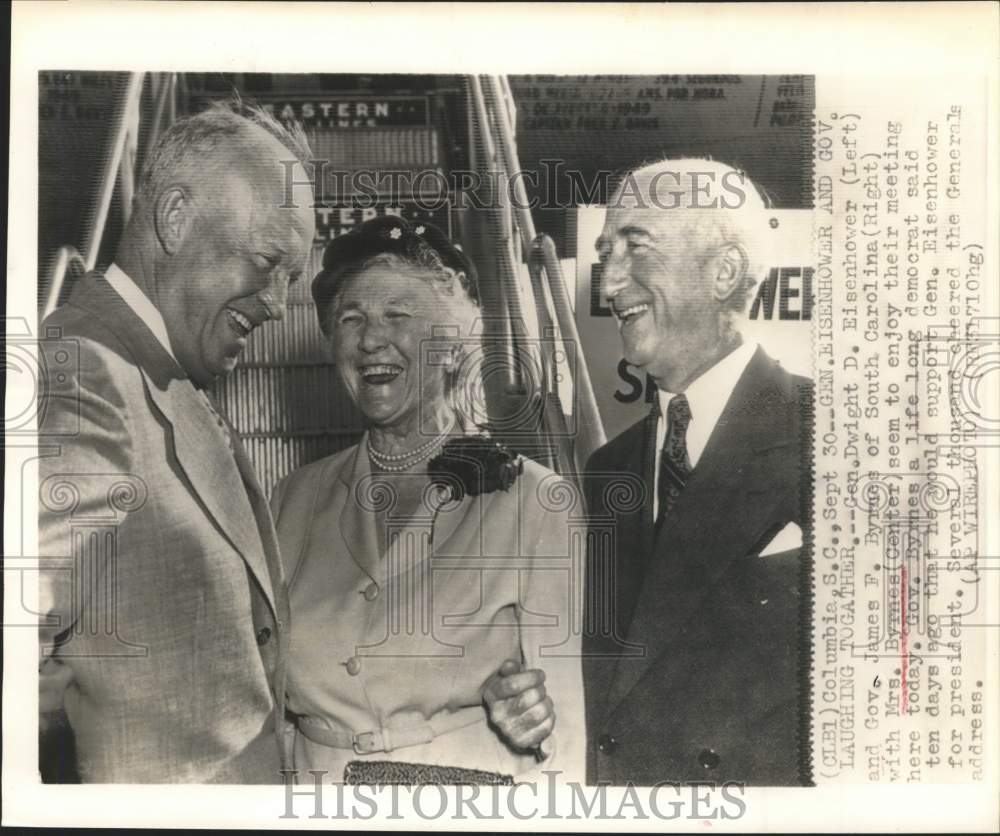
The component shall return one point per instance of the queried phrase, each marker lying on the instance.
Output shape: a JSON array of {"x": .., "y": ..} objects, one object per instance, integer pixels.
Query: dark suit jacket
[
  {"x": 701, "y": 680},
  {"x": 161, "y": 575}
]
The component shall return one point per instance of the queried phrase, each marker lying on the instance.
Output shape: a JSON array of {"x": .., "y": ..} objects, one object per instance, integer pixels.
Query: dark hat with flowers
[{"x": 418, "y": 242}]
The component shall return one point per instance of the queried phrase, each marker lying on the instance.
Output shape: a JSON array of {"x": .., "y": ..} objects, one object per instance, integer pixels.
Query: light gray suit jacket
[{"x": 161, "y": 583}]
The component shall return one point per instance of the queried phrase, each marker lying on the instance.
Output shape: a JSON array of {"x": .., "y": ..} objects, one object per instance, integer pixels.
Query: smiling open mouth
[
  {"x": 241, "y": 325},
  {"x": 380, "y": 374},
  {"x": 626, "y": 316}
]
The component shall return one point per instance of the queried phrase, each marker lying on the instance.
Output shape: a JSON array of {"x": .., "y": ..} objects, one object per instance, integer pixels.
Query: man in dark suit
[
  {"x": 162, "y": 595},
  {"x": 692, "y": 615}
]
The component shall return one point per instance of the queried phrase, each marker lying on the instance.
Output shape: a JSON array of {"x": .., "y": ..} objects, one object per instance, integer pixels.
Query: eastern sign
[
  {"x": 337, "y": 219},
  {"x": 353, "y": 112}
]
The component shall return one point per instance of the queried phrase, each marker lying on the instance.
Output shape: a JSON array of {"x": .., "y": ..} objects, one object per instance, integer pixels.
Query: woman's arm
[{"x": 549, "y": 612}]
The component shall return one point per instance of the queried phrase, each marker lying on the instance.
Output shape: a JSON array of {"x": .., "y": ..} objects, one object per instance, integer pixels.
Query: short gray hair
[{"x": 189, "y": 141}]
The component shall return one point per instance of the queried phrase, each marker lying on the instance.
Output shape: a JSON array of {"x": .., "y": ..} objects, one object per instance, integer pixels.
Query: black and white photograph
[
  {"x": 623, "y": 439},
  {"x": 395, "y": 355}
]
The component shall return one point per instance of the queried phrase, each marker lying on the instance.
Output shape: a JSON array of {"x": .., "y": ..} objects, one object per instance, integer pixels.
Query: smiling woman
[
  {"x": 398, "y": 305},
  {"x": 391, "y": 654}
]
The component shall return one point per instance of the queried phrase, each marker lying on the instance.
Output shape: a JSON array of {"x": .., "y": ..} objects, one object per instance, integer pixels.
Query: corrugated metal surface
[{"x": 376, "y": 148}]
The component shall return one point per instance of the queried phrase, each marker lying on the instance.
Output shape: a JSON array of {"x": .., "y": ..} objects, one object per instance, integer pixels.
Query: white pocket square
[{"x": 790, "y": 537}]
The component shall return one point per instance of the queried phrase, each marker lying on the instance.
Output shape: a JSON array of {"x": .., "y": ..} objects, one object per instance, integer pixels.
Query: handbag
[{"x": 410, "y": 774}]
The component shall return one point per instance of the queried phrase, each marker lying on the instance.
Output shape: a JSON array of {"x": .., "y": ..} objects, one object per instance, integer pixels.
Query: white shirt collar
[
  {"x": 140, "y": 304},
  {"x": 707, "y": 397}
]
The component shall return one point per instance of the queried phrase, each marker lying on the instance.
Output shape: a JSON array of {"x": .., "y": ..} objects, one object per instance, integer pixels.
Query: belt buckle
[{"x": 364, "y": 743}]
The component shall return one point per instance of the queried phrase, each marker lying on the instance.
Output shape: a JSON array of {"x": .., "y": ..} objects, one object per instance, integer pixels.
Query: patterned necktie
[{"x": 675, "y": 466}]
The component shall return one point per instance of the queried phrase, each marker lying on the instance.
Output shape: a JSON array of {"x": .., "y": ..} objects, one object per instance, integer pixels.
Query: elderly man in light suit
[
  {"x": 172, "y": 619},
  {"x": 692, "y": 634}
]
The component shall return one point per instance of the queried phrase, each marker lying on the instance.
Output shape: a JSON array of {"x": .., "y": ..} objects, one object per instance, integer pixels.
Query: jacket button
[
  {"x": 607, "y": 744},
  {"x": 263, "y": 635},
  {"x": 371, "y": 591},
  {"x": 709, "y": 758},
  {"x": 354, "y": 666}
]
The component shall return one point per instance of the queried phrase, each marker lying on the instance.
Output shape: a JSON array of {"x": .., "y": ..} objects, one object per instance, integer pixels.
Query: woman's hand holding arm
[{"x": 519, "y": 705}]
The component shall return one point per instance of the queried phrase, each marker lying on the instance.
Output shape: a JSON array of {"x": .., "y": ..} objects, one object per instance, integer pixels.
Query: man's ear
[
  {"x": 730, "y": 265},
  {"x": 172, "y": 217}
]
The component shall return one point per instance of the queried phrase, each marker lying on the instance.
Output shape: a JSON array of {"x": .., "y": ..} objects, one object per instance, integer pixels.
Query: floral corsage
[{"x": 475, "y": 464}]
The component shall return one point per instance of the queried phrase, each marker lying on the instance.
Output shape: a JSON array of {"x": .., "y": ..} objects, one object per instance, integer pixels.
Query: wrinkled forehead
[
  {"x": 655, "y": 224},
  {"x": 284, "y": 191},
  {"x": 279, "y": 218},
  {"x": 262, "y": 214},
  {"x": 290, "y": 230},
  {"x": 294, "y": 191},
  {"x": 258, "y": 223},
  {"x": 387, "y": 280}
]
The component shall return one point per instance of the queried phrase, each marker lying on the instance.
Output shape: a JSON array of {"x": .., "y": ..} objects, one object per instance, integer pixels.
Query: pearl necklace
[{"x": 397, "y": 463}]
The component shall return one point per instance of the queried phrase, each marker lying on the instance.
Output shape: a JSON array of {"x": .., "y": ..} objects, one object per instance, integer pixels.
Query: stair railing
[
  {"x": 556, "y": 321},
  {"x": 119, "y": 169}
]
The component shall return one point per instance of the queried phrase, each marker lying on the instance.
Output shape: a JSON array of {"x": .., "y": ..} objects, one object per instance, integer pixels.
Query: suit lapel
[
  {"x": 712, "y": 524},
  {"x": 198, "y": 443},
  {"x": 357, "y": 514},
  {"x": 613, "y": 557},
  {"x": 450, "y": 517},
  {"x": 211, "y": 468},
  {"x": 265, "y": 525}
]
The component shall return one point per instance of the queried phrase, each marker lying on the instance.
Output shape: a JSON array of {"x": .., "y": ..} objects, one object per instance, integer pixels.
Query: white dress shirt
[
  {"x": 139, "y": 302},
  {"x": 707, "y": 396}
]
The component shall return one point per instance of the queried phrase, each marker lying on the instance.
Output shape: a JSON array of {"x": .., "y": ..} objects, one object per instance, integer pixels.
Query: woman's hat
[{"x": 388, "y": 234}]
